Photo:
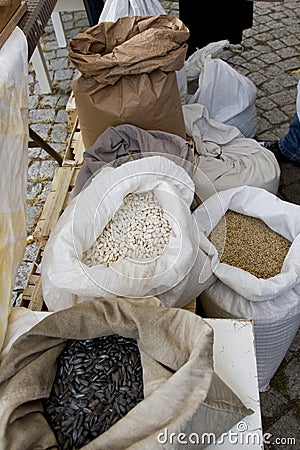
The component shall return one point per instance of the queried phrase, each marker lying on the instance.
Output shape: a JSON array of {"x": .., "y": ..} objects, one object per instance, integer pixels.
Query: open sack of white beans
[
  {"x": 252, "y": 240},
  {"x": 148, "y": 377},
  {"x": 130, "y": 232}
]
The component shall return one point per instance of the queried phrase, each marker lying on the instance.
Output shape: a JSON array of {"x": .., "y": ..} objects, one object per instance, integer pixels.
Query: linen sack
[
  {"x": 177, "y": 365},
  {"x": 224, "y": 158},
  {"x": 128, "y": 75},
  {"x": 228, "y": 95},
  {"x": 122, "y": 143},
  {"x": 66, "y": 280},
  {"x": 273, "y": 304}
]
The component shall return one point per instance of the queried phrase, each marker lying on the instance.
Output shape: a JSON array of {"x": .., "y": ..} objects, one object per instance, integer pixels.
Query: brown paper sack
[
  {"x": 182, "y": 392},
  {"x": 128, "y": 75}
]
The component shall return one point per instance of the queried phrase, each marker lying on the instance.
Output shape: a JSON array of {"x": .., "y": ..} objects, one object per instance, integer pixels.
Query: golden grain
[{"x": 248, "y": 243}]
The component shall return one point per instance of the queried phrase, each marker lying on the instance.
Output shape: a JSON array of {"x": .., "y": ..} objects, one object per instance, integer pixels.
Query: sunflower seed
[{"x": 97, "y": 382}]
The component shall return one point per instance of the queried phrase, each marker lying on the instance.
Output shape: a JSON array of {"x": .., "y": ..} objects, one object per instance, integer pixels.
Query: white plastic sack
[
  {"x": 224, "y": 158},
  {"x": 114, "y": 9},
  {"x": 228, "y": 95},
  {"x": 66, "y": 280},
  {"x": 274, "y": 303},
  {"x": 13, "y": 165}
]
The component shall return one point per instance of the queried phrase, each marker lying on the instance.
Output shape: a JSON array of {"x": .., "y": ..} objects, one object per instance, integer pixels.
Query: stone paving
[{"x": 270, "y": 57}]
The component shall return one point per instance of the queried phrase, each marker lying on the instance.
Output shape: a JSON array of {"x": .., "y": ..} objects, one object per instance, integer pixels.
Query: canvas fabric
[{"x": 182, "y": 391}]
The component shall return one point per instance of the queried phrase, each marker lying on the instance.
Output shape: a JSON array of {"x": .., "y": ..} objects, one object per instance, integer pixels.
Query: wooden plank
[
  {"x": 54, "y": 203},
  {"x": 12, "y": 22},
  {"x": 71, "y": 110},
  {"x": 79, "y": 149},
  {"x": 192, "y": 145},
  {"x": 32, "y": 297}
]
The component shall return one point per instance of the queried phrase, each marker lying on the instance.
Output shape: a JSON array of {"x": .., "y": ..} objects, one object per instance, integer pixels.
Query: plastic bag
[
  {"x": 228, "y": 95},
  {"x": 66, "y": 280},
  {"x": 272, "y": 303},
  {"x": 224, "y": 158},
  {"x": 114, "y": 9}
]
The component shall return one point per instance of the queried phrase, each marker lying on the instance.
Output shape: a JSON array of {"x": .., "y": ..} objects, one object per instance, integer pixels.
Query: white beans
[{"x": 138, "y": 230}]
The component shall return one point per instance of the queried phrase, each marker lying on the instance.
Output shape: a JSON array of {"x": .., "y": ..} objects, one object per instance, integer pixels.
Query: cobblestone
[
  {"x": 45, "y": 115},
  {"x": 59, "y": 133},
  {"x": 269, "y": 52}
]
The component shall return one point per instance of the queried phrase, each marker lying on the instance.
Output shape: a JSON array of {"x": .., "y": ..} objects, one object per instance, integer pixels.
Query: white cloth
[
  {"x": 225, "y": 158},
  {"x": 114, "y": 9},
  {"x": 13, "y": 164}
]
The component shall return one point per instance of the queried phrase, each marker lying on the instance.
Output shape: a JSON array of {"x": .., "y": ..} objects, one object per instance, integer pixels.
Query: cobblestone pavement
[{"x": 269, "y": 56}]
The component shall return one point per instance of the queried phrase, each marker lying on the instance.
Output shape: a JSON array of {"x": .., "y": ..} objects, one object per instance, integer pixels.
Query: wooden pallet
[
  {"x": 75, "y": 148},
  {"x": 71, "y": 110},
  {"x": 32, "y": 297},
  {"x": 58, "y": 199}
]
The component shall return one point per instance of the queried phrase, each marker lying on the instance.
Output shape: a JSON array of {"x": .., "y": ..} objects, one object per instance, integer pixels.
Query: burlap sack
[
  {"x": 182, "y": 391},
  {"x": 128, "y": 75}
]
